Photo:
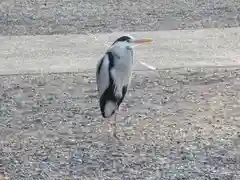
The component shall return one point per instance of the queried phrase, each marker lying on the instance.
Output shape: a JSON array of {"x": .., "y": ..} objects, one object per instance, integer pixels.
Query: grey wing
[
  {"x": 106, "y": 87},
  {"x": 102, "y": 75}
]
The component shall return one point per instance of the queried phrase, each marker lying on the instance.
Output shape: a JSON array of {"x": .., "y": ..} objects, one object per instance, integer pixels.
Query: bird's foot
[
  {"x": 116, "y": 138},
  {"x": 114, "y": 135}
]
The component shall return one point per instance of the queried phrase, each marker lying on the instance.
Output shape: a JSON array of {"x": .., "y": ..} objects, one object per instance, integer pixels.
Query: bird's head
[{"x": 129, "y": 42}]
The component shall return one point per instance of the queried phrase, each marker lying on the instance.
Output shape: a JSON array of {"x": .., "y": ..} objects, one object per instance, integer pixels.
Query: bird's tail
[{"x": 109, "y": 109}]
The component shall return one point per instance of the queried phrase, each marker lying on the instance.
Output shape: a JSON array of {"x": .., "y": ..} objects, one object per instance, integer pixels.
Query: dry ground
[{"x": 179, "y": 124}]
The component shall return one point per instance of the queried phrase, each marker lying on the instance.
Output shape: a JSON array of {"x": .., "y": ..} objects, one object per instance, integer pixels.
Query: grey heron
[{"x": 113, "y": 76}]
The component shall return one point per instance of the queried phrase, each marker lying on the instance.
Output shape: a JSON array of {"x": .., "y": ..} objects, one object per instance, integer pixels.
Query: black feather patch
[
  {"x": 124, "y": 91},
  {"x": 123, "y": 38},
  {"x": 99, "y": 66},
  {"x": 111, "y": 61},
  {"x": 108, "y": 94}
]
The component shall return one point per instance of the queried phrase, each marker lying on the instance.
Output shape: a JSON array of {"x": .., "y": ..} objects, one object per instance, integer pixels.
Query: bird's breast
[{"x": 124, "y": 65}]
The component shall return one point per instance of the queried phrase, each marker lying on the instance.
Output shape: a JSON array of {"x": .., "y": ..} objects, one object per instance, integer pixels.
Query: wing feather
[{"x": 112, "y": 85}]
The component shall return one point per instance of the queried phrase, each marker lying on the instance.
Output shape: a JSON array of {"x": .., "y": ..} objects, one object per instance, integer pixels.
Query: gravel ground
[
  {"x": 179, "y": 125},
  {"x": 19, "y": 17}
]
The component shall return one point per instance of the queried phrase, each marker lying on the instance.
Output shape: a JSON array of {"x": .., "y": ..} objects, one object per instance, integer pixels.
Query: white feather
[{"x": 109, "y": 108}]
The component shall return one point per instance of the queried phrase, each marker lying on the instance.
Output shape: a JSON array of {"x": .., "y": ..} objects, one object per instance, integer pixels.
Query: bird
[{"x": 113, "y": 76}]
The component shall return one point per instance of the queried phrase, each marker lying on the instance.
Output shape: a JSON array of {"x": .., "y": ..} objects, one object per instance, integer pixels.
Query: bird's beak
[{"x": 139, "y": 41}]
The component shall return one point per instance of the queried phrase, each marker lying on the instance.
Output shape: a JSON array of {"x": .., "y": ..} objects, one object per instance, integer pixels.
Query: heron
[{"x": 113, "y": 76}]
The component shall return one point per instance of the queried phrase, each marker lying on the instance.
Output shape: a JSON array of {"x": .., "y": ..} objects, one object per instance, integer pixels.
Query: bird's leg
[
  {"x": 114, "y": 126},
  {"x": 118, "y": 112}
]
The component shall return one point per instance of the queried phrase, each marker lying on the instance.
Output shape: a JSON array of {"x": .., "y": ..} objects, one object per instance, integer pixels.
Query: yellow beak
[{"x": 138, "y": 41}]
